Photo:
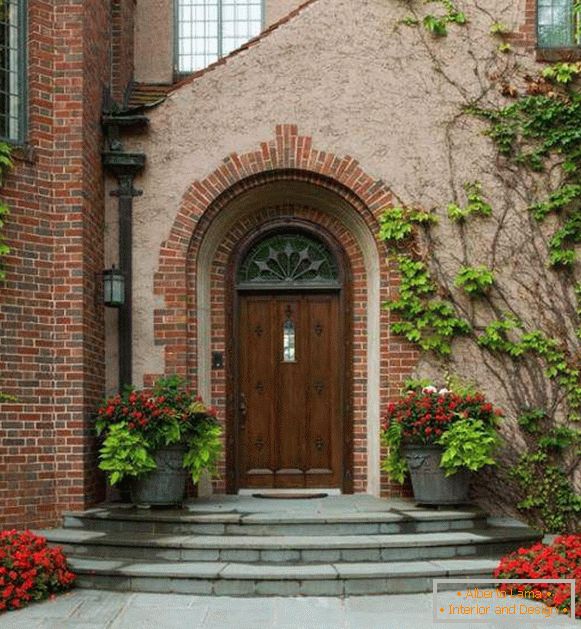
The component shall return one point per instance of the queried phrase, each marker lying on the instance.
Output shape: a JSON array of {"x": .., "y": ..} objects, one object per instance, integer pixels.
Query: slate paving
[{"x": 93, "y": 609}]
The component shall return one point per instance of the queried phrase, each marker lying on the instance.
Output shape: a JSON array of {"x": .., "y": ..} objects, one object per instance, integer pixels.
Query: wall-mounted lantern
[{"x": 113, "y": 288}]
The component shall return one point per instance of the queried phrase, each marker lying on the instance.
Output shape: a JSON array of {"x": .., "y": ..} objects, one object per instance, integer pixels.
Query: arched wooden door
[{"x": 291, "y": 366}]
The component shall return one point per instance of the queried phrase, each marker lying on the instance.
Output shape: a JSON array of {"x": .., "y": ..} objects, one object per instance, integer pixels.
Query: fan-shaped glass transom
[{"x": 289, "y": 261}]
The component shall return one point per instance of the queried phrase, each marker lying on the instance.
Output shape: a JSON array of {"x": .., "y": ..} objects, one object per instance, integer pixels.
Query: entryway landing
[{"x": 360, "y": 514}]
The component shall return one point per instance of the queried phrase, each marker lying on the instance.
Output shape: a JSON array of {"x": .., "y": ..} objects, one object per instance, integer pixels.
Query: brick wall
[
  {"x": 52, "y": 327},
  {"x": 122, "y": 43},
  {"x": 526, "y": 34}
]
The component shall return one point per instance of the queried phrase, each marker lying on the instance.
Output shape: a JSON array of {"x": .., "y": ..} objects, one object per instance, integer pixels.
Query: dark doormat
[{"x": 289, "y": 496}]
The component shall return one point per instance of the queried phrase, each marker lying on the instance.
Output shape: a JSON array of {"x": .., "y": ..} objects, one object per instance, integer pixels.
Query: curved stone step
[
  {"x": 187, "y": 522},
  {"x": 234, "y": 579},
  {"x": 292, "y": 549}
]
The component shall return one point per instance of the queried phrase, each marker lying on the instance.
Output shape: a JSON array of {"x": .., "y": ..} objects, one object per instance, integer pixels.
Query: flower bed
[
  {"x": 30, "y": 570},
  {"x": 560, "y": 560}
]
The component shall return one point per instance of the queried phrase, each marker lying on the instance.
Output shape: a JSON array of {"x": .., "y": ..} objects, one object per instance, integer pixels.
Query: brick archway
[{"x": 184, "y": 325}]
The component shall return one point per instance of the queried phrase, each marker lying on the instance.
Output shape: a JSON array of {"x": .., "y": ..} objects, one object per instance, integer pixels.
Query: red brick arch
[{"x": 288, "y": 157}]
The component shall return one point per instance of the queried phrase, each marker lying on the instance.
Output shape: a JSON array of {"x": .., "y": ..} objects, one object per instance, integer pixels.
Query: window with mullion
[
  {"x": 12, "y": 69},
  {"x": 559, "y": 23},
  {"x": 210, "y": 29}
]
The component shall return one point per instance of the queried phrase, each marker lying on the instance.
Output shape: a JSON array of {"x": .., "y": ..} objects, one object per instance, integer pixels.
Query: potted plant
[
  {"x": 440, "y": 437},
  {"x": 155, "y": 439}
]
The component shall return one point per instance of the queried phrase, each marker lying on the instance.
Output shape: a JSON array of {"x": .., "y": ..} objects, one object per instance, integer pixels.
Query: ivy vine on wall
[
  {"x": 5, "y": 166},
  {"x": 537, "y": 134}
]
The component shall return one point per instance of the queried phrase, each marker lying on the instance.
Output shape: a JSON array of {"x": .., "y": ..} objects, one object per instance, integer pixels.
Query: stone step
[
  {"x": 237, "y": 579},
  {"x": 185, "y": 522},
  {"x": 291, "y": 549}
]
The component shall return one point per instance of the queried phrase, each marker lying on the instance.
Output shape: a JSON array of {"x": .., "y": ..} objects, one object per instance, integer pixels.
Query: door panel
[{"x": 291, "y": 420}]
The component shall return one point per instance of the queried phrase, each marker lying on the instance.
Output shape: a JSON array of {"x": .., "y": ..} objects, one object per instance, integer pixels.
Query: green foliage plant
[
  {"x": 507, "y": 335},
  {"x": 468, "y": 444},
  {"x": 437, "y": 25},
  {"x": 424, "y": 318},
  {"x": 563, "y": 73},
  {"x": 476, "y": 205},
  {"x": 542, "y": 128},
  {"x": 548, "y": 496},
  {"x": 474, "y": 280},
  {"x": 5, "y": 165},
  {"x": 499, "y": 29},
  {"x": 135, "y": 424},
  {"x": 463, "y": 424}
]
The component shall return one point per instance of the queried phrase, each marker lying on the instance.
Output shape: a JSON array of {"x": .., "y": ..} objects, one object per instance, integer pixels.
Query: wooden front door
[{"x": 290, "y": 419}]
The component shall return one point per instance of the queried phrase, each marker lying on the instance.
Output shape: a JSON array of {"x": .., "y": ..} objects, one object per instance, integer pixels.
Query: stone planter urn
[
  {"x": 430, "y": 484},
  {"x": 165, "y": 486}
]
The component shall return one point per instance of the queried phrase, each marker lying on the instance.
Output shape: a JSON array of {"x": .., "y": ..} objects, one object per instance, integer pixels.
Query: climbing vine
[
  {"x": 533, "y": 357},
  {"x": 437, "y": 25},
  {"x": 5, "y": 166},
  {"x": 548, "y": 497}
]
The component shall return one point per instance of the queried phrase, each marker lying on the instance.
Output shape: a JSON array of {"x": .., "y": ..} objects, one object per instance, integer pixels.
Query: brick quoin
[
  {"x": 52, "y": 323},
  {"x": 288, "y": 157}
]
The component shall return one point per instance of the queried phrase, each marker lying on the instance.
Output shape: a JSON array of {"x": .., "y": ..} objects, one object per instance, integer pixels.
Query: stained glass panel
[{"x": 289, "y": 260}]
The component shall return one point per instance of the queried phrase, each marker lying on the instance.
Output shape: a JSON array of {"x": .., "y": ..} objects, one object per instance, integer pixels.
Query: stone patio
[{"x": 91, "y": 609}]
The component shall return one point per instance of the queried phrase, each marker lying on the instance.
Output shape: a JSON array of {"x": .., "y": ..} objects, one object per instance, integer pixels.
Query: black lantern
[{"x": 113, "y": 287}]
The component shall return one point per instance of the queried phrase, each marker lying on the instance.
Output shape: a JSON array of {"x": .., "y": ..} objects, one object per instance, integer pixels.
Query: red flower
[{"x": 558, "y": 561}]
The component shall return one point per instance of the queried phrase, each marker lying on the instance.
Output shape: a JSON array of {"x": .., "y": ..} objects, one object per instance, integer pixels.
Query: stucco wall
[
  {"x": 338, "y": 72},
  {"x": 277, "y": 9},
  {"x": 154, "y": 41},
  {"x": 362, "y": 84}
]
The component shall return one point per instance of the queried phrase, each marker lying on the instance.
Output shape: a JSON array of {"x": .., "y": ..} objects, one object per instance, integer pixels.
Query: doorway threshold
[{"x": 278, "y": 492}]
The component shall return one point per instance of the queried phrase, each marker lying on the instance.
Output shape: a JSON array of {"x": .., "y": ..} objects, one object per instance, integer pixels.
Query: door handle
[{"x": 242, "y": 408}]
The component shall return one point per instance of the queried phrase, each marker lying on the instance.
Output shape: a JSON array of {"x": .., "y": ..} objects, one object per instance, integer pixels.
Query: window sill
[{"x": 559, "y": 54}]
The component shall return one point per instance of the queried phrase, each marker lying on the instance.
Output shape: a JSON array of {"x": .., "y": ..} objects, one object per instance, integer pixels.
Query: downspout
[{"x": 125, "y": 166}]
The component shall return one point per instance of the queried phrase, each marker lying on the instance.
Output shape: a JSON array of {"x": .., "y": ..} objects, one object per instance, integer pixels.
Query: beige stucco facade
[
  {"x": 360, "y": 83},
  {"x": 154, "y": 36}
]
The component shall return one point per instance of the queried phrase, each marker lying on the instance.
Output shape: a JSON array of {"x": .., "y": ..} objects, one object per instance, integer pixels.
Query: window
[
  {"x": 289, "y": 261},
  {"x": 559, "y": 23},
  {"x": 210, "y": 29},
  {"x": 12, "y": 69}
]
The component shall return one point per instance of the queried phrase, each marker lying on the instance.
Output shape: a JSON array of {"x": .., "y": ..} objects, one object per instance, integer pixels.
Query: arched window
[
  {"x": 209, "y": 29},
  {"x": 558, "y": 23},
  {"x": 291, "y": 260}
]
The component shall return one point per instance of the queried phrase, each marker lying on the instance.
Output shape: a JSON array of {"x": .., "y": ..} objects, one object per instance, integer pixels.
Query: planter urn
[
  {"x": 164, "y": 486},
  {"x": 430, "y": 484}
]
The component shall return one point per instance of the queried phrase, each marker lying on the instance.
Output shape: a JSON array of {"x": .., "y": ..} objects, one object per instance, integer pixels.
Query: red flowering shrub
[
  {"x": 424, "y": 415},
  {"x": 30, "y": 570},
  {"x": 560, "y": 560},
  {"x": 136, "y": 424},
  {"x": 462, "y": 424}
]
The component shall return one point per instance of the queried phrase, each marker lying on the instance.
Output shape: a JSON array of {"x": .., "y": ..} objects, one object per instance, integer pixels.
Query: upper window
[
  {"x": 12, "y": 69},
  {"x": 210, "y": 29},
  {"x": 559, "y": 23}
]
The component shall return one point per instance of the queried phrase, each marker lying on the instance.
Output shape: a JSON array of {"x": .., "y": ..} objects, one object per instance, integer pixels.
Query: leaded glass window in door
[{"x": 289, "y": 261}]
